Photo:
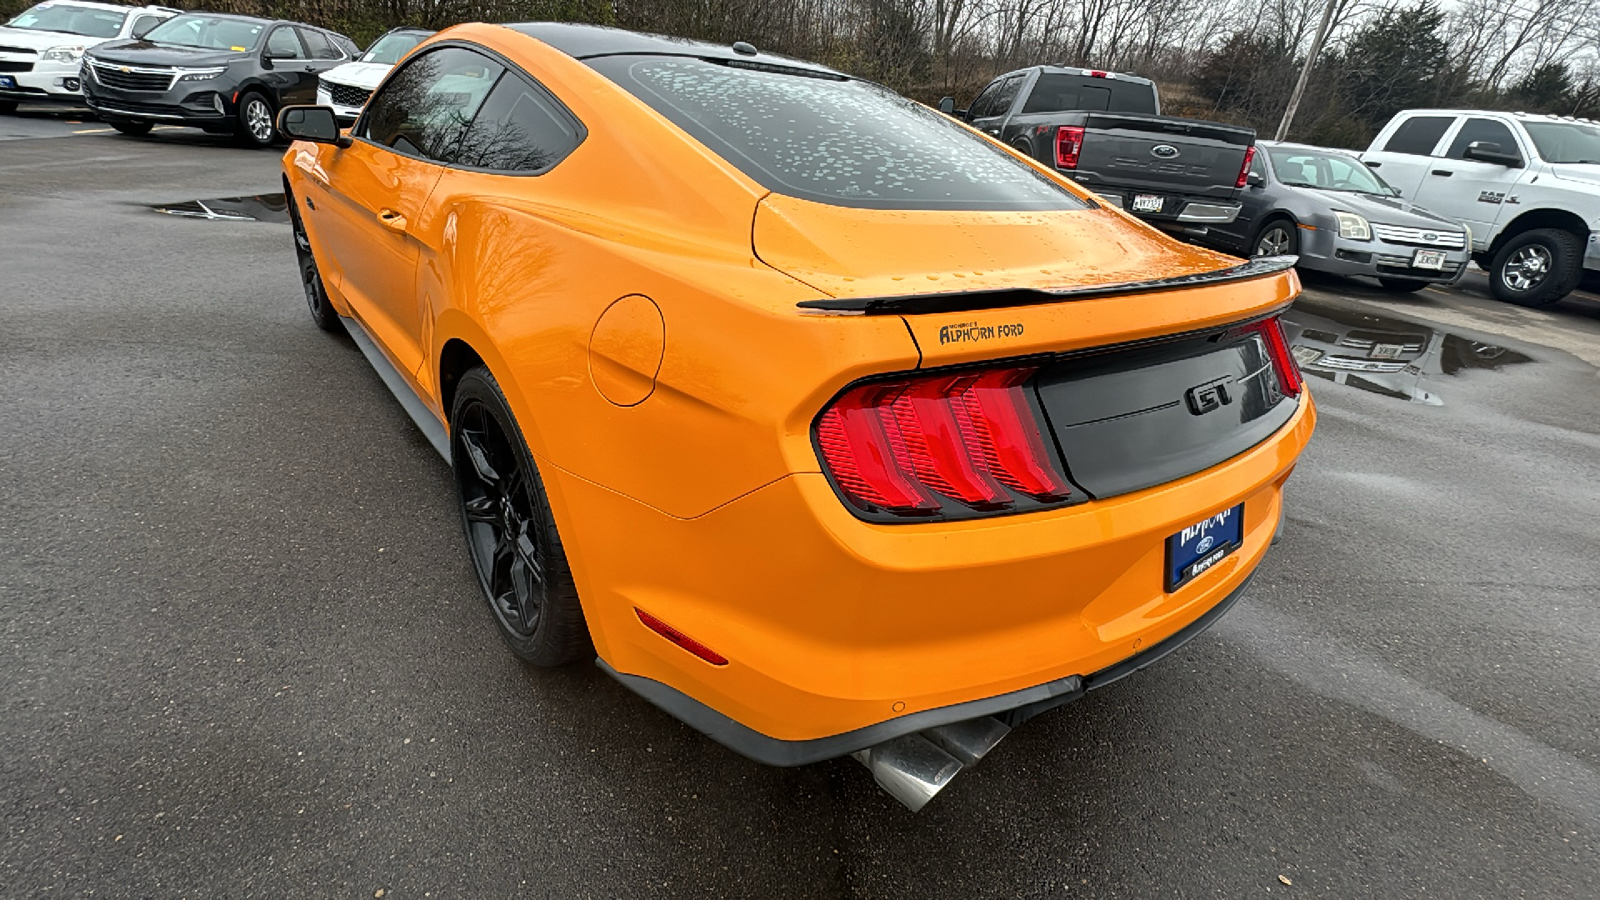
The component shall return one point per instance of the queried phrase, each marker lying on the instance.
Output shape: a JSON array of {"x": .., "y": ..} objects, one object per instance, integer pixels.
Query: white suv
[
  {"x": 41, "y": 50},
  {"x": 1527, "y": 185}
]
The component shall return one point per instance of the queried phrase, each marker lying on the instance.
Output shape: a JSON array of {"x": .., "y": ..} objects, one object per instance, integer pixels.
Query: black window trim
[{"x": 357, "y": 131}]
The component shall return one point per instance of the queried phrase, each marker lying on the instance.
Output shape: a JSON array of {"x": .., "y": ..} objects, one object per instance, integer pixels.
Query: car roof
[
  {"x": 588, "y": 41},
  {"x": 1081, "y": 72},
  {"x": 117, "y": 7},
  {"x": 1524, "y": 116},
  {"x": 1291, "y": 145}
]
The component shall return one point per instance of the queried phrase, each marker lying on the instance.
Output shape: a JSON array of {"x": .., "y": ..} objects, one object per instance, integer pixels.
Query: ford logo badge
[
  {"x": 1164, "y": 151},
  {"x": 1430, "y": 236}
]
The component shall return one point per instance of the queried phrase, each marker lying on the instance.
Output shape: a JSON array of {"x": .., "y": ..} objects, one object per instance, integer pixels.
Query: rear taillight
[
  {"x": 1069, "y": 143},
  {"x": 1284, "y": 365},
  {"x": 945, "y": 444},
  {"x": 1244, "y": 170}
]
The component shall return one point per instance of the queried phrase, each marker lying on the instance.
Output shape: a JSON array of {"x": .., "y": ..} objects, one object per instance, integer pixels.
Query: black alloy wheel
[
  {"x": 1277, "y": 238},
  {"x": 255, "y": 121},
  {"x": 322, "y": 311},
  {"x": 1537, "y": 267},
  {"x": 511, "y": 535},
  {"x": 132, "y": 129}
]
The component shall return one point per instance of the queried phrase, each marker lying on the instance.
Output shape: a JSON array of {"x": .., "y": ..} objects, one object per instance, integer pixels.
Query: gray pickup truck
[{"x": 1105, "y": 131}]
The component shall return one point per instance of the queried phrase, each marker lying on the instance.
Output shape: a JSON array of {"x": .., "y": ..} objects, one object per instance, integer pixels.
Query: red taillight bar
[
  {"x": 899, "y": 446},
  {"x": 1283, "y": 362},
  {"x": 1244, "y": 170},
  {"x": 1069, "y": 143},
  {"x": 681, "y": 639}
]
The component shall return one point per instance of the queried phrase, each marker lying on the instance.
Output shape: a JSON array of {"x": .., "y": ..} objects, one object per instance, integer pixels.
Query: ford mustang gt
[{"x": 823, "y": 422}]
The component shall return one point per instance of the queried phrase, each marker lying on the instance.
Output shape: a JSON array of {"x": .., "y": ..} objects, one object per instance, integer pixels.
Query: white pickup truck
[{"x": 1527, "y": 185}]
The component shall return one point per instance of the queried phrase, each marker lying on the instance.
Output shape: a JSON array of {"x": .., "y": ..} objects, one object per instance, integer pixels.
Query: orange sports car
[{"x": 827, "y": 424}]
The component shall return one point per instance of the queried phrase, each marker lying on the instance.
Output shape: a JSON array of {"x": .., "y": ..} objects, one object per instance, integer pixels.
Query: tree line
[{"x": 1229, "y": 60}]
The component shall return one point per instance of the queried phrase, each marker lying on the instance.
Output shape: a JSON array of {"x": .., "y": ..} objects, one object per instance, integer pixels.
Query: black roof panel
[{"x": 587, "y": 41}]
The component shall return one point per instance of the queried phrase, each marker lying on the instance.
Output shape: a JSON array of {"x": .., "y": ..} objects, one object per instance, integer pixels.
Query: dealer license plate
[
  {"x": 7, "y": 82},
  {"x": 1148, "y": 202},
  {"x": 1386, "y": 351},
  {"x": 1428, "y": 259},
  {"x": 1202, "y": 545}
]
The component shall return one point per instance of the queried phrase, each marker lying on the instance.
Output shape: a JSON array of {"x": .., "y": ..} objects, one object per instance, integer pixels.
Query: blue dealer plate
[
  {"x": 1202, "y": 545},
  {"x": 6, "y": 81}
]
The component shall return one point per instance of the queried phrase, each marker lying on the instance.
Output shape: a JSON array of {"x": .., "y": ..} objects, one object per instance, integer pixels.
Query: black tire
[
  {"x": 1537, "y": 268},
  {"x": 1282, "y": 235},
  {"x": 1402, "y": 285},
  {"x": 132, "y": 129},
  {"x": 7, "y": 107},
  {"x": 322, "y": 311},
  {"x": 255, "y": 117},
  {"x": 511, "y": 535}
]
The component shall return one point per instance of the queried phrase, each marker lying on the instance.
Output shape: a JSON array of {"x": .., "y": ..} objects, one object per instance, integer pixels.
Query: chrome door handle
[{"x": 392, "y": 219}]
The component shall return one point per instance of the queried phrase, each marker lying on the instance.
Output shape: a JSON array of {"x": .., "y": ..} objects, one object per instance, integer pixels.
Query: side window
[
  {"x": 519, "y": 129},
  {"x": 319, "y": 45},
  {"x": 984, "y": 100},
  {"x": 1419, "y": 135},
  {"x": 143, "y": 24},
  {"x": 423, "y": 109},
  {"x": 282, "y": 44},
  {"x": 1006, "y": 95},
  {"x": 1482, "y": 130}
]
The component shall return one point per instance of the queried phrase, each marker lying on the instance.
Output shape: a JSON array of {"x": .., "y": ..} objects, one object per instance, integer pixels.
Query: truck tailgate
[{"x": 1201, "y": 159}]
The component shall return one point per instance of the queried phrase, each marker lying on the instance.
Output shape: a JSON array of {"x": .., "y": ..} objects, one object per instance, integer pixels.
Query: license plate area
[
  {"x": 1428, "y": 259},
  {"x": 1202, "y": 545},
  {"x": 1148, "y": 202}
]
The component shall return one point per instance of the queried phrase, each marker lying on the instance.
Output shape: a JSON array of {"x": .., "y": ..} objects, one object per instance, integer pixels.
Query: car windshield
[
  {"x": 831, "y": 139},
  {"x": 208, "y": 32},
  {"x": 388, "y": 49},
  {"x": 1299, "y": 167},
  {"x": 69, "y": 18},
  {"x": 1565, "y": 142}
]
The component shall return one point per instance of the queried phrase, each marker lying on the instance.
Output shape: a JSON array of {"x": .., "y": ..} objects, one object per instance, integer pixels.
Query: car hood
[
  {"x": 145, "y": 53},
  {"x": 850, "y": 252},
  {"x": 1588, "y": 175},
  {"x": 44, "y": 40},
  {"x": 357, "y": 74},
  {"x": 1388, "y": 210}
]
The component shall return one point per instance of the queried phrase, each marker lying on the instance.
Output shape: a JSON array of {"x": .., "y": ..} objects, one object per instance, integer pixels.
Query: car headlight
[
  {"x": 324, "y": 96},
  {"x": 202, "y": 74},
  {"x": 1353, "y": 226},
  {"x": 63, "y": 54}
]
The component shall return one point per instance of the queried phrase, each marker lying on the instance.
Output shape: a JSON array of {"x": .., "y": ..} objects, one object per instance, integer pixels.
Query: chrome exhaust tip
[{"x": 913, "y": 768}]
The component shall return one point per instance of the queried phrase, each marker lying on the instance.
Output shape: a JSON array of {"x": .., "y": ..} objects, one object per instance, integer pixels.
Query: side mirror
[
  {"x": 311, "y": 123},
  {"x": 947, "y": 105},
  {"x": 1394, "y": 191},
  {"x": 1492, "y": 152},
  {"x": 1254, "y": 179},
  {"x": 144, "y": 28}
]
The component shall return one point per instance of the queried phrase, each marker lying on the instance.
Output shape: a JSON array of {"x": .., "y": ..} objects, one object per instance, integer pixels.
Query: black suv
[{"x": 225, "y": 74}]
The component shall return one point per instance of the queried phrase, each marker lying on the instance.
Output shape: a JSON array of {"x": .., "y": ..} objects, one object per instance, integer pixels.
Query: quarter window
[
  {"x": 426, "y": 107},
  {"x": 1482, "y": 130},
  {"x": 1418, "y": 135},
  {"x": 282, "y": 44},
  {"x": 519, "y": 129}
]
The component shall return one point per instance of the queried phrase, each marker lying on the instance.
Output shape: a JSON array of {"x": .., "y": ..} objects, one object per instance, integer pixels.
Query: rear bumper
[
  {"x": 1179, "y": 210},
  {"x": 841, "y": 633}
]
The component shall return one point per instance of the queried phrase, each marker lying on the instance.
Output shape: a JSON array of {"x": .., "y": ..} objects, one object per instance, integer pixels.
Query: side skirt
[{"x": 431, "y": 427}]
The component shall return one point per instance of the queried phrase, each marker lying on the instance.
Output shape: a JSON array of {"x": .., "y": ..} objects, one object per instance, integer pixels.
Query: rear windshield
[
  {"x": 1059, "y": 92},
  {"x": 841, "y": 142},
  {"x": 208, "y": 32}
]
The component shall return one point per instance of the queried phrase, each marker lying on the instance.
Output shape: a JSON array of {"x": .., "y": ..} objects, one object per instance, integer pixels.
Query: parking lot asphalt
[{"x": 243, "y": 653}]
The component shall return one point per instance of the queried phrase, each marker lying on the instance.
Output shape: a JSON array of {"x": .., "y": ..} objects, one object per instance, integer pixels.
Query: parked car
[
  {"x": 773, "y": 388},
  {"x": 1105, "y": 131},
  {"x": 1339, "y": 216},
  {"x": 1527, "y": 185},
  {"x": 224, "y": 74},
  {"x": 347, "y": 87},
  {"x": 41, "y": 50}
]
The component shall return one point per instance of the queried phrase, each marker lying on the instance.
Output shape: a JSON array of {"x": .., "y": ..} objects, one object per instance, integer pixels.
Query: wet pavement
[{"x": 243, "y": 653}]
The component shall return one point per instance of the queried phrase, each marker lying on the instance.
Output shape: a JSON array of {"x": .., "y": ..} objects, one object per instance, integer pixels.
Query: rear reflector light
[
  {"x": 1069, "y": 143},
  {"x": 1096, "y": 73},
  {"x": 681, "y": 639},
  {"x": 1244, "y": 170},
  {"x": 907, "y": 446},
  {"x": 1284, "y": 365}
]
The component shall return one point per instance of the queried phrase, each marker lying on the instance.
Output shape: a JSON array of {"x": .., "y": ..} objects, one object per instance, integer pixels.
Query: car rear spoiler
[{"x": 967, "y": 301}]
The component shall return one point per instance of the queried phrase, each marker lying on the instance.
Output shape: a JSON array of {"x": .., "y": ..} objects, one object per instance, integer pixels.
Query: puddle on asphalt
[
  {"x": 257, "y": 208},
  {"x": 1386, "y": 356}
]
